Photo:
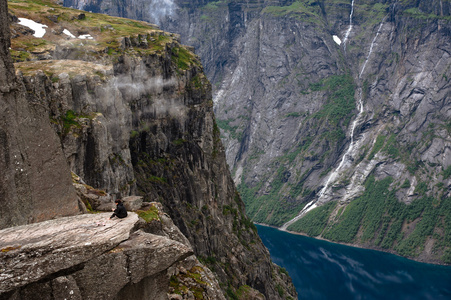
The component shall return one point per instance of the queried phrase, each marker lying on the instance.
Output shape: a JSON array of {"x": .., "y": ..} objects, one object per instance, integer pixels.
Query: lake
[{"x": 324, "y": 270}]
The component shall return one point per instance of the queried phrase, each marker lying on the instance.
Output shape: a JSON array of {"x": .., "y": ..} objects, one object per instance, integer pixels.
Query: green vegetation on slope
[
  {"x": 340, "y": 100},
  {"x": 315, "y": 221},
  {"x": 269, "y": 208},
  {"x": 308, "y": 10},
  {"x": 377, "y": 218},
  {"x": 418, "y": 14},
  {"x": 234, "y": 131}
]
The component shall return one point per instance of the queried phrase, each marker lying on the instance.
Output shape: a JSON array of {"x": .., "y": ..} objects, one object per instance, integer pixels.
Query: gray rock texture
[
  {"x": 277, "y": 74},
  {"x": 134, "y": 116},
  {"x": 132, "y": 203},
  {"x": 35, "y": 183},
  {"x": 33, "y": 252},
  {"x": 93, "y": 257}
]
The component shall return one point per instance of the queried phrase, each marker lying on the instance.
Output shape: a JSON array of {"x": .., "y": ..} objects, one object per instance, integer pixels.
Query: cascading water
[
  {"x": 371, "y": 47},
  {"x": 346, "y": 157},
  {"x": 350, "y": 25}
]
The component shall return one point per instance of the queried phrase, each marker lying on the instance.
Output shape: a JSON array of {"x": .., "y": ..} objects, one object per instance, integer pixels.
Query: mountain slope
[{"x": 307, "y": 118}]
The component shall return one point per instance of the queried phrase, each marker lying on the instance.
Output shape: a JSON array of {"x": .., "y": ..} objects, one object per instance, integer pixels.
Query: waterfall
[
  {"x": 350, "y": 25},
  {"x": 349, "y": 151},
  {"x": 371, "y": 47}
]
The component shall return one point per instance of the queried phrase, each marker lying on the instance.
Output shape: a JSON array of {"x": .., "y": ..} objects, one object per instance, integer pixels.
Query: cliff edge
[{"x": 93, "y": 257}]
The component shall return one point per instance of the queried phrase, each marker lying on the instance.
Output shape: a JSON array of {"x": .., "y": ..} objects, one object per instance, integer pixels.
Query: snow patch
[
  {"x": 67, "y": 32},
  {"x": 85, "y": 37},
  {"x": 39, "y": 29},
  {"x": 336, "y": 39},
  {"x": 81, "y": 37}
]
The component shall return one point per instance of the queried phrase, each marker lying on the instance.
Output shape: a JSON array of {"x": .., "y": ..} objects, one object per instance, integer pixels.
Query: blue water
[{"x": 323, "y": 270}]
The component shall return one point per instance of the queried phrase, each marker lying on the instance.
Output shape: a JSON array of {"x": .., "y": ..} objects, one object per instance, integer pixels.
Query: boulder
[{"x": 132, "y": 203}]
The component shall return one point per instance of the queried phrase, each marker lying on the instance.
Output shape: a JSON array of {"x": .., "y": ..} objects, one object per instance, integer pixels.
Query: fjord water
[{"x": 324, "y": 270}]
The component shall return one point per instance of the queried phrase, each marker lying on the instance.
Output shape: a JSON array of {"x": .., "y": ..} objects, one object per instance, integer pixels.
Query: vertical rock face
[
  {"x": 35, "y": 184},
  {"x": 134, "y": 115},
  {"x": 308, "y": 118}
]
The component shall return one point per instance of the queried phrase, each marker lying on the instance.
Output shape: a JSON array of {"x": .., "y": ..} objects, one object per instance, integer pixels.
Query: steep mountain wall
[
  {"x": 31, "y": 158},
  {"x": 134, "y": 114},
  {"x": 307, "y": 117}
]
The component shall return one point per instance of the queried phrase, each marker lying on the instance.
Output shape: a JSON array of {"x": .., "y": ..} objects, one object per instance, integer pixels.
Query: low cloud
[{"x": 160, "y": 9}]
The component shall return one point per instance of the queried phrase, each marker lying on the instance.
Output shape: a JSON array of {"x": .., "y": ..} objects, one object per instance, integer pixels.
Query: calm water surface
[{"x": 323, "y": 270}]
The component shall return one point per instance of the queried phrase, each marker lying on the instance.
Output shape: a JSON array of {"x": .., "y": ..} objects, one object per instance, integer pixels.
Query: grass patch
[
  {"x": 377, "y": 146},
  {"x": 150, "y": 214},
  {"x": 293, "y": 115},
  {"x": 181, "y": 57},
  {"x": 189, "y": 282},
  {"x": 340, "y": 101},
  {"x": 308, "y": 10},
  {"x": 234, "y": 131}
]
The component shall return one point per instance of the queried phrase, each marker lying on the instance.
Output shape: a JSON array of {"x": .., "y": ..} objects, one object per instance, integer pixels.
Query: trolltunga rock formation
[{"x": 94, "y": 256}]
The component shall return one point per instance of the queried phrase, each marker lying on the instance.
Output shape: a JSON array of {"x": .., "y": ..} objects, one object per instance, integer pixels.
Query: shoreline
[{"x": 424, "y": 261}]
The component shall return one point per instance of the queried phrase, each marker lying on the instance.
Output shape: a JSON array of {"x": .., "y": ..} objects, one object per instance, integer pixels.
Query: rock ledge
[{"x": 77, "y": 248}]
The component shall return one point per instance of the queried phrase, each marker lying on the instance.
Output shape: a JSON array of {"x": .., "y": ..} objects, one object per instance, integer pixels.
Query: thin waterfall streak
[
  {"x": 350, "y": 25},
  {"x": 311, "y": 205},
  {"x": 334, "y": 174},
  {"x": 371, "y": 47}
]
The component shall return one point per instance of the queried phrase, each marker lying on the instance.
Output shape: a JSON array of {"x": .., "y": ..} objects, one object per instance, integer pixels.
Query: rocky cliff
[
  {"x": 93, "y": 257},
  {"x": 343, "y": 103},
  {"x": 132, "y": 113},
  {"x": 31, "y": 158}
]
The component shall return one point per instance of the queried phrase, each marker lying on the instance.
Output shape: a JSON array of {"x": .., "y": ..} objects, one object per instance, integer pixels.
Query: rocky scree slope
[
  {"x": 133, "y": 113},
  {"x": 288, "y": 96}
]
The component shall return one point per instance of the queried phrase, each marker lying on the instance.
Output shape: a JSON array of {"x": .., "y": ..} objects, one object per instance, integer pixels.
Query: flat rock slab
[{"x": 33, "y": 252}]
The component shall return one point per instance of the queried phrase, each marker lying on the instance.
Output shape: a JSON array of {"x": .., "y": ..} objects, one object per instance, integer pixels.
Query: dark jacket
[{"x": 120, "y": 211}]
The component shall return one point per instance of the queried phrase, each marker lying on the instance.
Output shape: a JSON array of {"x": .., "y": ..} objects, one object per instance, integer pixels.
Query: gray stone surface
[
  {"x": 33, "y": 252},
  {"x": 35, "y": 182},
  {"x": 88, "y": 257},
  {"x": 132, "y": 203}
]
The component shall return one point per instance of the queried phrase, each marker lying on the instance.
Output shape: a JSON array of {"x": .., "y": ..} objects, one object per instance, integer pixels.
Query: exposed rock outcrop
[
  {"x": 93, "y": 257},
  {"x": 34, "y": 184},
  {"x": 134, "y": 115},
  {"x": 315, "y": 101}
]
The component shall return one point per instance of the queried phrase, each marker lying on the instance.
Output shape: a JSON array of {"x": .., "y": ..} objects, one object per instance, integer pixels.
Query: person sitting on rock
[{"x": 120, "y": 210}]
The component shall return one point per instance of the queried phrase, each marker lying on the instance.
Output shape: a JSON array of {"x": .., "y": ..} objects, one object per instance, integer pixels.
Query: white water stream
[
  {"x": 347, "y": 157},
  {"x": 350, "y": 25}
]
